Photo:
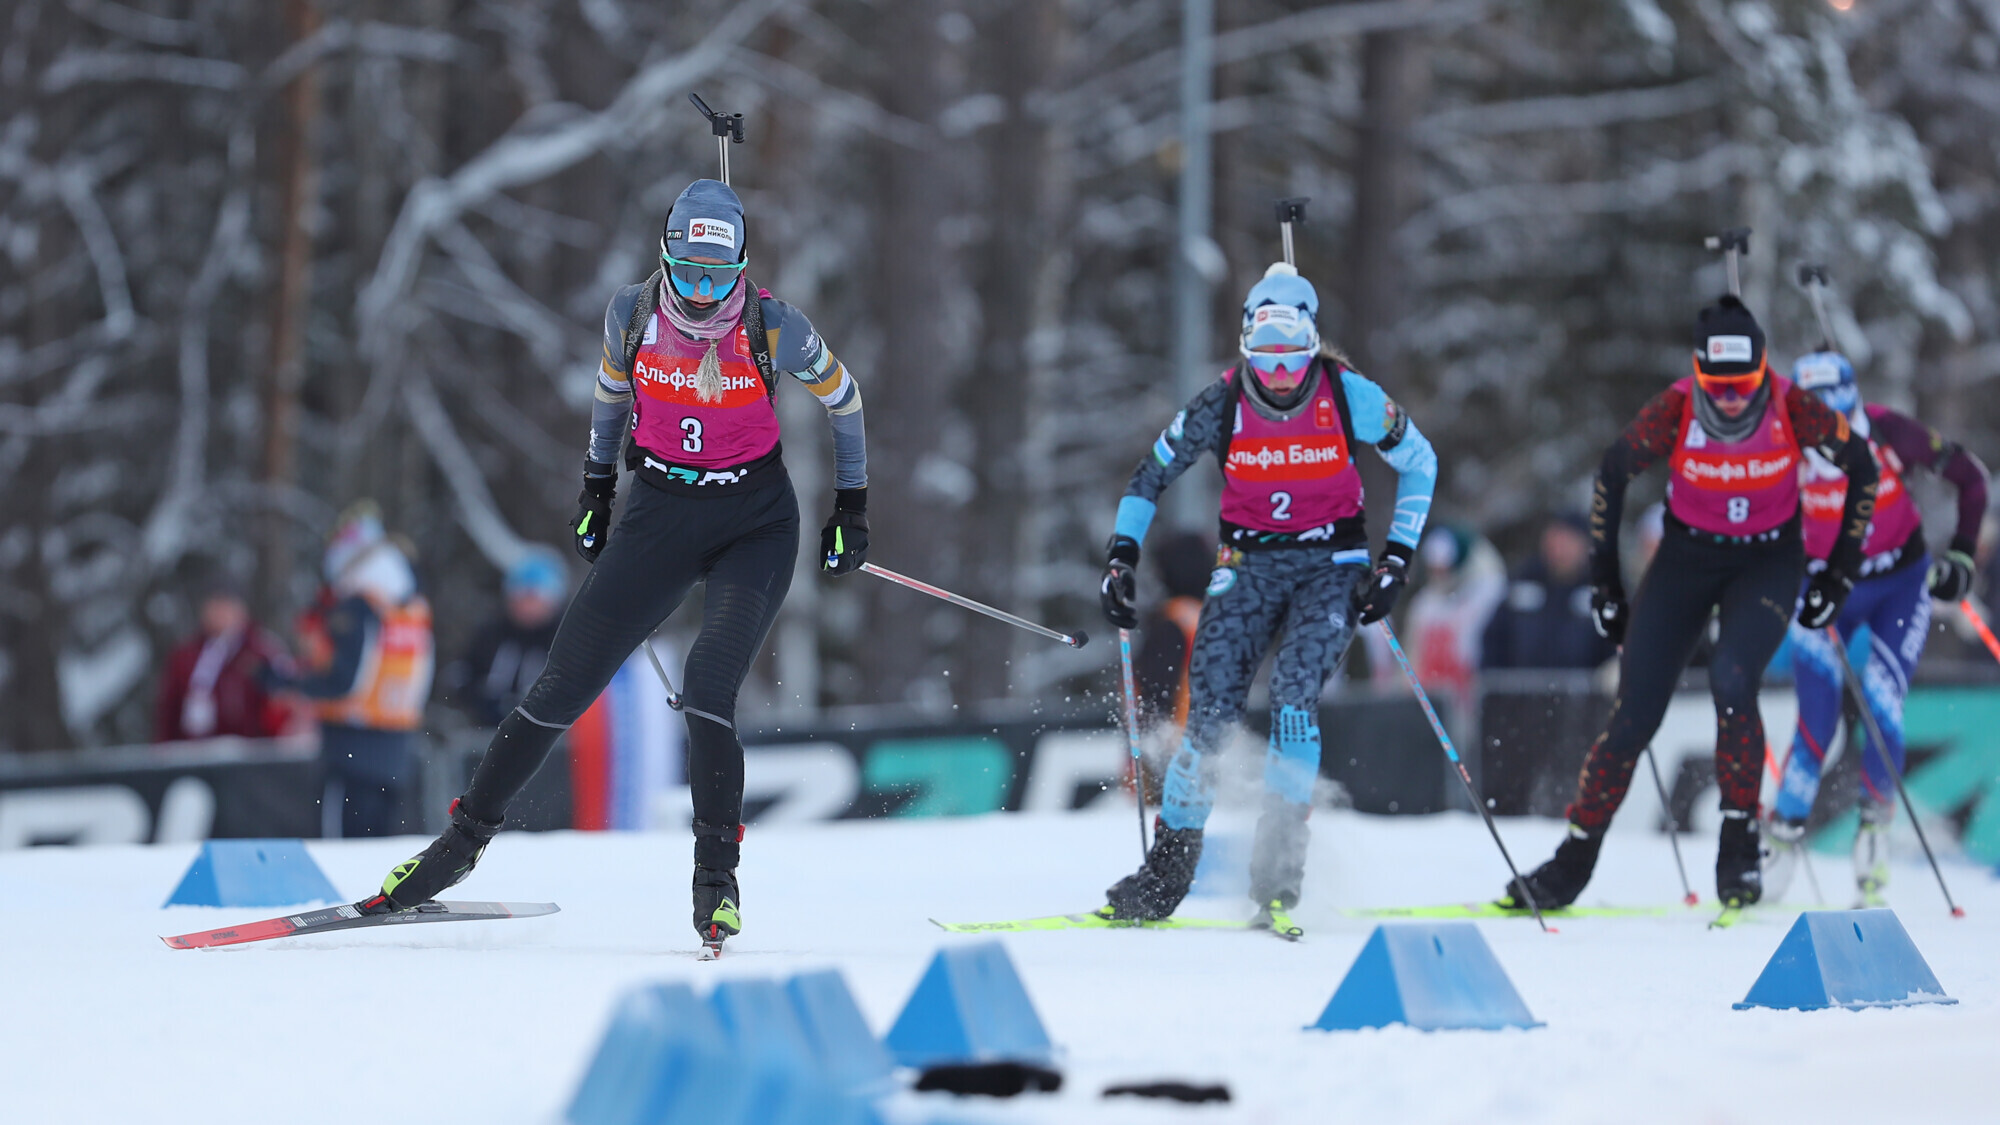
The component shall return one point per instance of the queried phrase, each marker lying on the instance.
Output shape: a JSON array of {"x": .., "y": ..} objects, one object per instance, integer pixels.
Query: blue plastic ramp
[
  {"x": 848, "y": 1053},
  {"x": 1846, "y": 959},
  {"x": 969, "y": 1007},
  {"x": 253, "y": 873},
  {"x": 1433, "y": 977},
  {"x": 663, "y": 1061}
]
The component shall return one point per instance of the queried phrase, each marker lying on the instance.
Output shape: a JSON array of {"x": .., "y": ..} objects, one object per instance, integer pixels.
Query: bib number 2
[
  {"x": 1281, "y": 505},
  {"x": 692, "y": 442},
  {"x": 1739, "y": 509}
]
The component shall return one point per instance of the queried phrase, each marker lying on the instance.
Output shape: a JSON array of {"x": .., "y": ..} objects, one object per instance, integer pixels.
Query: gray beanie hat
[{"x": 706, "y": 222}]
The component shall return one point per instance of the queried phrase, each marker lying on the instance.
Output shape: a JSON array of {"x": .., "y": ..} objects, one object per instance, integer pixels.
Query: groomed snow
[{"x": 494, "y": 1022}]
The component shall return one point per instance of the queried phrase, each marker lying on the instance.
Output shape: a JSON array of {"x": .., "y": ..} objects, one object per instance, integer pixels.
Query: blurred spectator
[
  {"x": 214, "y": 680},
  {"x": 497, "y": 669},
  {"x": 1166, "y": 635},
  {"x": 1545, "y": 620},
  {"x": 1463, "y": 581},
  {"x": 368, "y": 656}
]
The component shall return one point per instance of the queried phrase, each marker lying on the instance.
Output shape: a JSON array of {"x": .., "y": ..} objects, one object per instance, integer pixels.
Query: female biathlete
[
  {"x": 1732, "y": 434},
  {"x": 1283, "y": 425},
  {"x": 689, "y": 357},
  {"x": 1892, "y": 598}
]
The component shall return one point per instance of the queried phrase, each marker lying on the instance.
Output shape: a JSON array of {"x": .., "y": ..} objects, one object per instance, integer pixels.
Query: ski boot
[
  {"x": 1871, "y": 853},
  {"x": 446, "y": 863},
  {"x": 1739, "y": 875},
  {"x": 1155, "y": 890},
  {"x": 1277, "y": 865},
  {"x": 1783, "y": 853},
  {"x": 716, "y": 915},
  {"x": 1556, "y": 884}
]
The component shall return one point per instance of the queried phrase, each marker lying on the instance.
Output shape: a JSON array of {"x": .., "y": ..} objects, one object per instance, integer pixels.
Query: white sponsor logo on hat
[
  {"x": 1818, "y": 371},
  {"x": 712, "y": 230},
  {"x": 1729, "y": 349}
]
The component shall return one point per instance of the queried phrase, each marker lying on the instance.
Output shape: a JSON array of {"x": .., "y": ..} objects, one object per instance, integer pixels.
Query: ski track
[{"x": 104, "y": 1023}]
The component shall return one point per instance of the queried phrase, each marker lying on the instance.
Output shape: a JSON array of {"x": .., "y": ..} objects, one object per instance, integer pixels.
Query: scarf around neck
[
  {"x": 720, "y": 322},
  {"x": 1721, "y": 427}
]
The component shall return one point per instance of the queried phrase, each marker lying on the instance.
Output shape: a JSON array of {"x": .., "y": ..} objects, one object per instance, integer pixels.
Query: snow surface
[{"x": 497, "y": 1020}]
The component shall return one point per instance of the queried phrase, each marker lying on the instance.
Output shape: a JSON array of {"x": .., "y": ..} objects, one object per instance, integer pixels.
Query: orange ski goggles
[{"x": 1742, "y": 386}]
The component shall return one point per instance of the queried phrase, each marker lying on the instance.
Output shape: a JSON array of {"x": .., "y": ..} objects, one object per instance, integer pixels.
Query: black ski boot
[
  {"x": 1739, "y": 869},
  {"x": 1278, "y": 865},
  {"x": 446, "y": 863},
  {"x": 1157, "y": 888},
  {"x": 716, "y": 915},
  {"x": 1556, "y": 884}
]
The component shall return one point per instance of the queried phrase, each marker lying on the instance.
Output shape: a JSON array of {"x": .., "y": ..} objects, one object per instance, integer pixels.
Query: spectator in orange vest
[{"x": 369, "y": 659}]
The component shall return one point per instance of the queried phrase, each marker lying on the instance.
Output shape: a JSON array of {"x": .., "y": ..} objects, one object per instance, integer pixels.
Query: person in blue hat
[
  {"x": 507, "y": 655},
  {"x": 1292, "y": 567},
  {"x": 692, "y": 363},
  {"x": 1892, "y": 595}
]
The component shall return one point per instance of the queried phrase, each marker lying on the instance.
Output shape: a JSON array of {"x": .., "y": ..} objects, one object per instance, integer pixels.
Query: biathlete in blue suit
[{"x": 1293, "y": 562}]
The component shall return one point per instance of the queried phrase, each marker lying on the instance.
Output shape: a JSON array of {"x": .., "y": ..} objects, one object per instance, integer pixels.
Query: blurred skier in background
[
  {"x": 1892, "y": 598},
  {"x": 1292, "y": 562},
  {"x": 691, "y": 357},
  {"x": 1732, "y": 434},
  {"x": 368, "y": 656}
]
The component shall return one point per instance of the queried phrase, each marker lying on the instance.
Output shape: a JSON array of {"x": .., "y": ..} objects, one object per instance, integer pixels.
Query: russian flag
[{"x": 627, "y": 749}]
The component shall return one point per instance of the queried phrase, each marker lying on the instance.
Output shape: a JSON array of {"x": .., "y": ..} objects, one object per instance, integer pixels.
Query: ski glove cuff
[
  {"x": 1951, "y": 576},
  {"x": 1608, "y": 612},
  {"x": 592, "y": 522},
  {"x": 1824, "y": 595},
  {"x": 1118, "y": 589},
  {"x": 1385, "y": 584},
  {"x": 843, "y": 542}
]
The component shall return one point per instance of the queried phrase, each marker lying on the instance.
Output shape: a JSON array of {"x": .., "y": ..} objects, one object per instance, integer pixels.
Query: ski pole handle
[{"x": 1073, "y": 640}]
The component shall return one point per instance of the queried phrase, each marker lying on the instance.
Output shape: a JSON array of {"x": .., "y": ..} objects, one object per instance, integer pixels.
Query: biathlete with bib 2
[
  {"x": 1733, "y": 434},
  {"x": 1293, "y": 561}
]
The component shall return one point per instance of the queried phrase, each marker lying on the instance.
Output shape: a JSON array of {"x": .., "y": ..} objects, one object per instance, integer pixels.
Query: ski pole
[
  {"x": 1291, "y": 211},
  {"x": 1073, "y": 640},
  {"x": 1444, "y": 740},
  {"x": 1812, "y": 278},
  {"x": 1971, "y": 613},
  {"x": 727, "y": 127},
  {"x": 1673, "y": 828},
  {"x": 1734, "y": 244},
  {"x": 673, "y": 697},
  {"x": 1882, "y": 748},
  {"x": 1132, "y": 736}
]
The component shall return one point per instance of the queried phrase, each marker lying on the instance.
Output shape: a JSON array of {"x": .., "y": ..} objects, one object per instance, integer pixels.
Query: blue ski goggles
[
  {"x": 1272, "y": 359},
  {"x": 702, "y": 279}
]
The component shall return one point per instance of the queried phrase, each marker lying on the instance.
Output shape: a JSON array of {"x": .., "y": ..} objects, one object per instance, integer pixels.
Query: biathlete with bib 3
[
  {"x": 691, "y": 363},
  {"x": 1733, "y": 434},
  {"x": 1283, "y": 425}
]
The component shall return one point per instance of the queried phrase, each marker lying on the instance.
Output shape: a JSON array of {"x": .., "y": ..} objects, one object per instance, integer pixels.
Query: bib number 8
[
  {"x": 1739, "y": 509},
  {"x": 1281, "y": 505}
]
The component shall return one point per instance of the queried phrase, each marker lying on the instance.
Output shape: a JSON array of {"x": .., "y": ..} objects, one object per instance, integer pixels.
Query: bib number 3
[
  {"x": 1739, "y": 509},
  {"x": 692, "y": 442}
]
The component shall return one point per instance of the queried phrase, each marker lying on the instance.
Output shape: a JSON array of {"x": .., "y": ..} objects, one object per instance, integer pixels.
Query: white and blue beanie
[
  {"x": 1829, "y": 375},
  {"x": 706, "y": 222},
  {"x": 1283, "y": 308}
]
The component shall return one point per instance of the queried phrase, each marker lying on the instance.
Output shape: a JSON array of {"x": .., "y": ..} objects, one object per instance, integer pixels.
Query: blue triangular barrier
[
  {"x": 663, "y": 1061},
  {"x": 970, "y": 1006},
  {"x": 847, "y": 1051},
  {"x": 786, "y": 1085},
  {"x": 252, "y": 873},
  {"x": 1432, "y": 977},
  {"x": 1846, "y": 959}
]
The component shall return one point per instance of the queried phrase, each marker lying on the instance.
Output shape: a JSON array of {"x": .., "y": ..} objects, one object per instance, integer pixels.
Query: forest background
[{"x": 260, "y": 258}]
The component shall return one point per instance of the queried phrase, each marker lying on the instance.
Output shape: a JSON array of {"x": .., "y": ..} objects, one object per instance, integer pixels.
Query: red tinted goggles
[{"x": 1742, "y": 386}]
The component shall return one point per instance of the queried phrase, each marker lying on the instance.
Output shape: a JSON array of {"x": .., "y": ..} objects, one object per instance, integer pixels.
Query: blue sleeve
[
  {"x": 798, "y": 350},
  {"x": 349, "y": 626},
  {"x": 1379, "y": 421},
  {"x": 1192, "y": 432}
]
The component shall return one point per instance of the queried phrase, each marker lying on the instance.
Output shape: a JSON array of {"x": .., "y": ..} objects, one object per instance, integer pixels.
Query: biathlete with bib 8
[
  {"x": 1293, "y": 561},
  {"x": 1732, "y": 434},
  {"x": 690, "y": 367}
]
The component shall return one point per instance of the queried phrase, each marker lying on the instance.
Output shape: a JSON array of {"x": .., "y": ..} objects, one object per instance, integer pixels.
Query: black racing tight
[
  {"x": 1755, "y": 588},
  {"x": 745, "y": 545}
]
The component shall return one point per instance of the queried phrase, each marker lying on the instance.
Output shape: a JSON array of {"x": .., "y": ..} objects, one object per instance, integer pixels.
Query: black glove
[
  {"x": 592, "y": 525},
  {"x": 1951, "y": 573},
  {"x": 1608, "y": 612},
  {"x": 843, "y": 542},
  {"x": 1824, "y": 593},
  {"x": 1118, "y": 590},
  {"x": 1385, "y": 585}
]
